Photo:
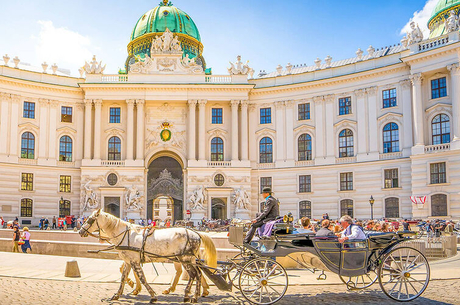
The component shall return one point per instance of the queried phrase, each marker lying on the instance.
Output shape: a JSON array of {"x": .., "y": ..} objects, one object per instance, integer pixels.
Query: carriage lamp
[
  {"x": 371, "y": 202},
  {"x": 61, "y": 202}
]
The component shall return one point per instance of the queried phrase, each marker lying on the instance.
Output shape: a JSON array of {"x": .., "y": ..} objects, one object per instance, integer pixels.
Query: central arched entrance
[{"x": 165, "y": 189}]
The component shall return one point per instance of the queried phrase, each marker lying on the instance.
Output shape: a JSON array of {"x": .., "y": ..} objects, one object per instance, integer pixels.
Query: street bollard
[{"x": 71, "y": 269}]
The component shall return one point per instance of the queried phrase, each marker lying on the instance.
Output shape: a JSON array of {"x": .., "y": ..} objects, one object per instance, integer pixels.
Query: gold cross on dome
[{"x": 165, "y": 2}]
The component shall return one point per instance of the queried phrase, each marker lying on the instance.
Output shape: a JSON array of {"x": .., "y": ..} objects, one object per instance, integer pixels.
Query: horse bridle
[{"x": 91, "y": 220}]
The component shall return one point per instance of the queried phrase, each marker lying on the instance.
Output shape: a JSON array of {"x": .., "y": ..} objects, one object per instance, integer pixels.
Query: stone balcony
[
  {"x": 219, "y": 163},
  {"x": 433, "y": 43},
  {"x": 304, "y": 163},
  {"x": 392, "y": 155},
  {"x": 436, "y": 148},
  {"x": 165, "y": 78},
  {"x": 27, "y": 161},
  {"x": 265, "y": 165},
  {"x": 112, "y": 163},
  {"x": 345, "y": 160}
]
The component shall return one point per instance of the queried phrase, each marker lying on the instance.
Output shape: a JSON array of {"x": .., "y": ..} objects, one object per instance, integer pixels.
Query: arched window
[
  {"x": 346, "y": 143},
  {"x": 217, "y": 149},
  {"x": 390, "y": 138},
  {"x": 26, "y": 207},
  {"x": 439, "y": 205},
  {"x": 64, "y": 208},
  {"x": 304, "y": 147},
  {"x": 392, "y": 207},
  {"x": 346, "y": 207},
  {"x": 305, "y": 209},
  {"x": 114, "y": 148},
  {"x": 65, "y": 149},
  {"x": 440, "y": 126},
  {"x": 27, "y": 145},
  {"x": 266, "y": 150}
]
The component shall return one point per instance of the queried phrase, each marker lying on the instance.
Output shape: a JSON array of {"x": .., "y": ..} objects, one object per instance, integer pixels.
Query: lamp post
[
  {"x": 371, "y": 202},
  {"x": 61, "y": 203}
]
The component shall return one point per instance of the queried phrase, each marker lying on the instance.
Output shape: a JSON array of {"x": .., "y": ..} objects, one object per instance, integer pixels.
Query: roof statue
[
  {"x": 166, "y": 43},
  {"x": 415, "y": 35},
  {"x": 239, "y": 68},
  {"x": 452, "y": 23},
  {"x": 94, "y": 67}
]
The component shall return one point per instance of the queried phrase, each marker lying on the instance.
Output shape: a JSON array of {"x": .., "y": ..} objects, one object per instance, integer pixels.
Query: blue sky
[{"x": 265, "y": 32}]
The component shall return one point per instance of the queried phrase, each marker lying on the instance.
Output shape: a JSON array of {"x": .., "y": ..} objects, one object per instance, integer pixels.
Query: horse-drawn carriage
[{"x": 403, "y": 272}]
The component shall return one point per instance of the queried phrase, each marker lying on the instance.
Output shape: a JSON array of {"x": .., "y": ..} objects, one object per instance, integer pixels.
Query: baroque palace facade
[{"x": 167, "y": 139}]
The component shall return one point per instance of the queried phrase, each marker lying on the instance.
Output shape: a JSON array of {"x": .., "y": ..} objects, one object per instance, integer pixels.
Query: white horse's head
[{"x": 91, "y": 224}]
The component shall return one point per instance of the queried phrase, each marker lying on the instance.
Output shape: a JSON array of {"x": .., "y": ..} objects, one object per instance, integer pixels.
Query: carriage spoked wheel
[
  {"x": 404, "y": 274},
  {"x": 234, "y": 270},
  {"x": 360, "y": 281},
  {"x": 263, "y": 281}
]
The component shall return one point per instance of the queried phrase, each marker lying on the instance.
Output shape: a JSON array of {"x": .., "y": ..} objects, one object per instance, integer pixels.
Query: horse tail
[{"x": 210, "y": 250}]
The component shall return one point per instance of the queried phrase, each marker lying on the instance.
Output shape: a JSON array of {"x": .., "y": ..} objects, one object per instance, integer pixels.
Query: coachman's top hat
[{"x": 267, "y": 190}]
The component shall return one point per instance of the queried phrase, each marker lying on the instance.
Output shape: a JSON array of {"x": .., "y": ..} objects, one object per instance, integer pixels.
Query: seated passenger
[
  {"x": 324, "y": 231},
  {"x": 307, "y": 227},
  {"x": 351, "y": 231}
]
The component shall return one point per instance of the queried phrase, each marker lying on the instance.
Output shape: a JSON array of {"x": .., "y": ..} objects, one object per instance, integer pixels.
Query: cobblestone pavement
[{"x": 31, "y": 291}]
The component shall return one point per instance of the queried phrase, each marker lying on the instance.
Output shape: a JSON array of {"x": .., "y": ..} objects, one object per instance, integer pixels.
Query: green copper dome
[
  {"x": 441, "y": 12},
  {"x": 165, "y": 16}
]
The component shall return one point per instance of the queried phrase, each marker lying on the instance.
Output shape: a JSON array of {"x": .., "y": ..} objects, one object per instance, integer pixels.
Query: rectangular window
[
  {"x": 27, "y": 182},
  {"x": 265, "y": 115},
  {"x": 217, "y": 115},
  {"x": 29, "y": 110},
  {"x": 115, "y": 115},
  {"x": 346, "y": 181},
  {"x": 438, "y": 173},
  {"x": 305, "y": 184},
  {"x": 26, "y": 208},
  {"x": 304, "y": 111},
  {"x": 391, "y": 178},
  {"x": 389, "y": 98},
  {"x": 438, "y": 88},
  {"x": 65, "y": 184},
  {"x": 344, "y": 105},
  {"x": 265, "y": 182},
  {"x": 66, "y": 114}
]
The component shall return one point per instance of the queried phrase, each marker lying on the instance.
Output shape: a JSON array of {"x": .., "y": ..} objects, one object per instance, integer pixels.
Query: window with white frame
[{"x": 391, "y": 178}]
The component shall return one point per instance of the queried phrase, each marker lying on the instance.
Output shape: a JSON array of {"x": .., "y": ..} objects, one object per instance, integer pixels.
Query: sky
[{"x": 268, "y": 33}]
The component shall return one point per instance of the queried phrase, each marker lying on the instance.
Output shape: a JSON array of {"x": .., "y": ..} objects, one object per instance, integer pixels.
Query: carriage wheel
[
  {"x": 360, "y": 281},
  {"x": 238, "y": 261},
  {"x": 404, "y": 274},
  {"x": 263, "y": 281}
]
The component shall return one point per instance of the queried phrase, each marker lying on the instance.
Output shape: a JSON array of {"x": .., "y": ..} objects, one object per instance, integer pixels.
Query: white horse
[{"x": 136, "y": 245}]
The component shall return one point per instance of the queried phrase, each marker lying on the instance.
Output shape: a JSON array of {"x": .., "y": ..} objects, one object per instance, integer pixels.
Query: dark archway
[{"x": 165, "y": 178}]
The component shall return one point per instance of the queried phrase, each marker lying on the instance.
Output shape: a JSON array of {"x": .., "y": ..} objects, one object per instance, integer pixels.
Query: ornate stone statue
[
  {"x": 404, "y": 41},
  {"x": 167, "y": 43},
  {"x": 94, "y": 67},
  {"x": 452, "y": 23},
  {"x": 241, "y": 199},
  {"x": 197, "y": 199},
  {"x": 415, "y": 35},
  {"x": 90, "y": 202},
  {"x": 239, "y": 68},
  {"x": 142, "y": 65},
  {"x": 133, "y": 199}
]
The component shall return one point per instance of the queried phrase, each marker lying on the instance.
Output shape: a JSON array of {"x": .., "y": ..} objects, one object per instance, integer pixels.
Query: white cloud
[
  {"x": 421, "y": 17},
  {"x": 66, "y": 48}
]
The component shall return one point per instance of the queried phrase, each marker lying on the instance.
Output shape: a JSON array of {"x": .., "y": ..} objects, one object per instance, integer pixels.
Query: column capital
[
  {"x": 359, "y": 93},
  {"x": 454, "y": 68},
  {"x": 251, "y": 107},
  {"x": 405, "y": 84},
  {"x": 318, "y": 99},
  {"x": 234, "y": 103},
  {"x": 202, "y": 103},
  {"x": 130, "y": 102},
  {"x": 244, "y": 103},
  {"x": 4, "y": 96},
  {"x": 416, "y": 79},
  {"x": 88, "y": 102},
  {"x": 15, "y": 98},
  {"x": 289, "y": 103},
  {"x": 140, "y": 102},
  {"x": 54, "y": 103},
  {"x": 192, "y": 102},
  {"x": 43, "y": 102},
  {"x": 279, "y": 104},
  {"x": 79, "y": 106},
  {"x": 372, "y": 90},
  {"x": 329, "y": 98},
  {"x": 97, "y": 103}
]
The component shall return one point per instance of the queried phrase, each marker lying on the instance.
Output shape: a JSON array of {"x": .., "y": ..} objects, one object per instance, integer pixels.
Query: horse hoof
[
  {"x": 205, "y": 294},
  {"x": 186, "y": 299},
  {"x": 166, "y": 291},
  {"x": 194, "y": 300},
  {"x": 153, "y": 300},
  {"x": 114, "y": 298},
  {"x": 135, "y": 292}
]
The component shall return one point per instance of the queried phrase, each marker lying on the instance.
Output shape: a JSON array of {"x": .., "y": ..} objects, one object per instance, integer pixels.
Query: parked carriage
[{"x": 403, "y": 272}]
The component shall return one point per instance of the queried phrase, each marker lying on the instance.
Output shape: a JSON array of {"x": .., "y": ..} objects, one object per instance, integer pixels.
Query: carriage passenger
[
  {"x": 307, "y": 226},
  {"x": 351, "y": 231},
  {"x": 324, "y": 231}
]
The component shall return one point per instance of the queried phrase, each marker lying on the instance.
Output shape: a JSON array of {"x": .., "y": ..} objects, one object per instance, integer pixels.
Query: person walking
[
  {"x": 46, "y": 223},
  {"x": 2, "y": 222},
  {"x": 26, "y": 238},
  {"x": 54, "y": 222},
  {"x": 16, "y": 236}
]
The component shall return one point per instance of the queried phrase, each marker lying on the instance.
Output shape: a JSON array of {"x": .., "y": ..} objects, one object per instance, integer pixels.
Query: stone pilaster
[
  {"x": 140, "y": 138},
  {"x": 244, "y": 130},
  {"x": 130, "y": 130},
  {"x": 406, "y": 103},
  {"x": 234, "y": 105},
  {"x": 202, "y": 130},
  {"x": 97, "y": 129},
  {"x": 88, "y": 132},
  {"x": 455, "y": 93},
  {"x": 417, "y": 106}
]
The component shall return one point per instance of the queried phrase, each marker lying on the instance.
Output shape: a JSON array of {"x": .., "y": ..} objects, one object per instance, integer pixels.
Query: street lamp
[{"x": 371, "y": 202}]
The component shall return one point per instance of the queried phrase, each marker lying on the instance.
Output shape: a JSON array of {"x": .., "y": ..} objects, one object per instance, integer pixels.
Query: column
[
  {"x": 140, "y": 130},
  {"x": 14, "y": 137},
  {"x": 280, "y": 142},
  {"x": 130, "y": 130},
  {"x": 88, "y": 121},
  {"x": 417, "y": 106},
  {"x": 192, "y": 129},
  {"x": 52, "y": 147},
  {"x": 244, "y": 130},
  {"x": 455, "y": 130},
  {"x": 319, "y": 144},
  {"x": 328, "y": 120},
  {"x": 4, "y": 118},
  {"x": 407, "y": 116},
  {"x": 252, "y": 121},
  {"x": 361, "y": 136},
  {"x": 201, "y": 130},
  {"x": 80, "y": 131},
  {"x": 43, "y": 136},
  {"x": 234, "y": 105},
  {"x": 97, "y": 129},
  {"x": 289, "y": 130},
  {"x": 372, "y": 131}
]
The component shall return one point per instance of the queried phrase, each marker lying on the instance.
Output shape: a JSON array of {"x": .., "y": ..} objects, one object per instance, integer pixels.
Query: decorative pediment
[
  {"x": 65, "y": 129},
  {"x": 390, "y": 117},
  {"x": 345, "y": 123},
  {"x": 28, "y": 125},
  {"x": 114, "y": 131},
  {"x": 439, "y": 107},
  {"x": 304, "y": 127},
  {"x": 217, "y": 132},
  {"x": 266, "y": 131}
]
